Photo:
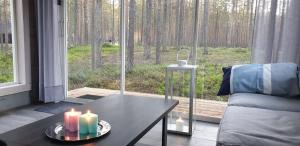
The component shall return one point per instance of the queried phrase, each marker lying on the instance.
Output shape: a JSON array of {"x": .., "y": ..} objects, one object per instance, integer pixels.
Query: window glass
[{"x": 6, "y": 43}]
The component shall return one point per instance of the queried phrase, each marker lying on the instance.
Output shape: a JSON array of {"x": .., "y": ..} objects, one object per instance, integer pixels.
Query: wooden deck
[{"x": 204, "y": 110}]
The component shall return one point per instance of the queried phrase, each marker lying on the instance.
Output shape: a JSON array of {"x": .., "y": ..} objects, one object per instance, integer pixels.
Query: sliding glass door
[
  {"x": 93, "y": 48},
  {"x": 151, "y": 34}
]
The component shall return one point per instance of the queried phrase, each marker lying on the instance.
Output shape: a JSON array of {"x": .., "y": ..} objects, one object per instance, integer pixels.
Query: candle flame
[
  {"x": 72, "y": 110},
  {"x": 88, "y": 111}
]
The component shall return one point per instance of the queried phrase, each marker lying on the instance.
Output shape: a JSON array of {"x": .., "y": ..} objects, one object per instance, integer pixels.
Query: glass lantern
[{"x": 180, "y": 119}]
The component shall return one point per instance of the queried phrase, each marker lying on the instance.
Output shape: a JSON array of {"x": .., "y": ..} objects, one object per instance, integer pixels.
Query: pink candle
[{"x": 71, "y": 120}]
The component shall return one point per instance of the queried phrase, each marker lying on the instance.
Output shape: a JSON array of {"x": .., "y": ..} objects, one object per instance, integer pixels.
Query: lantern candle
[
  {"x": 179, "y": 124},
  {"x": 88, "y": 123},
  {"x": 71, "y": 119}
]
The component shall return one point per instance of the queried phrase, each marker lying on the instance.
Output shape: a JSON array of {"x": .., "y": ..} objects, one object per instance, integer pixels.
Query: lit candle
[
  {"x": 83, "y": 124},
  {"x": 88, "y": 123},
  {"x": 71, "y": 119},
  {"x": 71, "y": 136},
  {"x": 179, "y": 124}
]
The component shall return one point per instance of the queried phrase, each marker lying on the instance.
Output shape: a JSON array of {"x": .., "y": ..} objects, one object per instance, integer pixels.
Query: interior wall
[{"x": 15, "y": 100}]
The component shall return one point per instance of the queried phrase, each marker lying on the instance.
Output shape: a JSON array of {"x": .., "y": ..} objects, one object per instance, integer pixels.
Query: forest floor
[
  {"x": 148, "y": 77},
  {"x": 6, "y": 66}
]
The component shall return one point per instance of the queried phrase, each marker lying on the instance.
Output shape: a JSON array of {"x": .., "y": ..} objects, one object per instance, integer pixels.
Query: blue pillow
[
  {"x": 225, "y": 85},
  {"x": 277, "y": 79}
]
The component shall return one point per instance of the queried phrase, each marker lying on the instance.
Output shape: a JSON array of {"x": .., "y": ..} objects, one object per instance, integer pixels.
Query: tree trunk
[
  {"x": 251, "y": 27},
  {"x": 216, "y": 29},
  {"x": 113, "y": 22},
  {"x": 96, "y": 31},
  {"x": 1, "y": 29},
  {"x": 147, "y": 33},
  {"x": 143, "y": 21},
  {"x": 283, "y": 13},
  {"x": 92, "y": 29},
  {"x": 158, "y": 33},
  {"x": 86, "y": 29},
  {"x": 74, "y": 33},
  {"x": 99, "y": 36},
  {"x": 130, "y": 43},
  {"x": 165, "y": 14},
  {"x": 205, "y": 27},
  {"x": 165, "y": 30},
  {"x": 6, "y": 23},
  {"x": 80, "y": 22},
  {"x": 195, "y": 35},
  {"x": 177, "y": 23},
  {"x": 120, "y": 28},
  {"x": 255, "y": 29},
  {"x": 153, "y": 29},
  {"x": 271, "y": 32},
  {"x": 232, "y": 24},
  {"x": 170, "y": 38},
  {"x": 181, "y": 21}
]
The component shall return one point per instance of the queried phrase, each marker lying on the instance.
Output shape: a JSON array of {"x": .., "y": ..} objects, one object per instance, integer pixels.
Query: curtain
[
  {"x": 51, "y": 52},
  {"x": 276, "y": 33}
]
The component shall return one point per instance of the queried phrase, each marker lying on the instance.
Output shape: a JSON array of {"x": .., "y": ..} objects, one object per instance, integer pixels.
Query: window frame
[{"x": 21, "y": 51}]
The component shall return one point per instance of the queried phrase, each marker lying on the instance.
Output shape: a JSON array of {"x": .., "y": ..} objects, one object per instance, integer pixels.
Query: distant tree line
[
  {"x": 160, "y": 24},
  {"x": 5, "y": 25}
]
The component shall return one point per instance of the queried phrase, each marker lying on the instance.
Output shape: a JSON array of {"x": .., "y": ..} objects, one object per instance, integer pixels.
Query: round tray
[{"x": 57, "y": 132}]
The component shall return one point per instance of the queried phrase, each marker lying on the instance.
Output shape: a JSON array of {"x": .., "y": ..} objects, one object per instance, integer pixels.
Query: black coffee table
[{"x": 131, "y": 117}]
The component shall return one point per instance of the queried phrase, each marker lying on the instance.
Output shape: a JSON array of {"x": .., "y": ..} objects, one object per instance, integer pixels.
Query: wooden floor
[
  {"x": 204, "y": 110},
  {"x": 204, "y": 134}
]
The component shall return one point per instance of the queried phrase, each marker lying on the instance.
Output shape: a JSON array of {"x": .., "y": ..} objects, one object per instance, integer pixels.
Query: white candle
[{"x": 179, "y": 124}]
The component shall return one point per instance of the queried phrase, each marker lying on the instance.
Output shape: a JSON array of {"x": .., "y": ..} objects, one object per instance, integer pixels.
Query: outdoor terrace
[{"x": 204, "y": 110}]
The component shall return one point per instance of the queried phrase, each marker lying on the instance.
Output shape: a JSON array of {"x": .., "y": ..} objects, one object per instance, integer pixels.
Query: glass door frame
[{"x": 123, "y": 41}]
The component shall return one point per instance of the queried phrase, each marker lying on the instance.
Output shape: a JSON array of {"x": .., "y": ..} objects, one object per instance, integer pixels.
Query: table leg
[
  {"x": 164, "y": 130},
  {"x": 167, "y": 84}
]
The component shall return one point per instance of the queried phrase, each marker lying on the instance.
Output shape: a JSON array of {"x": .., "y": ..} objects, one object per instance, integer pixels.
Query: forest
[
  {"x": 222, "y": 23},
  {"x": 6, "y": 60},
  {"x": 155, "y": 31}
]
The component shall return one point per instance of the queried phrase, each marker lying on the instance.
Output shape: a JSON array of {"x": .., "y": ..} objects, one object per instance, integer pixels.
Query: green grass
[
  {"x": 80, "y": 53},
  {"x": 148, "y": 77},
  {"x": 6, "y": 67},
  {"x": 110, "y": 49}
]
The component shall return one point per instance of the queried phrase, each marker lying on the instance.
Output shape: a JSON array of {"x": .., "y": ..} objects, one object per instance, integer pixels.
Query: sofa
[{"x": 260, "y": 120}]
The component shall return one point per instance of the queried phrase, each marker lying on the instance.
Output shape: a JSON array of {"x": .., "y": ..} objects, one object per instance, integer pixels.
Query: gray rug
[{"x": 56, "y": 108}]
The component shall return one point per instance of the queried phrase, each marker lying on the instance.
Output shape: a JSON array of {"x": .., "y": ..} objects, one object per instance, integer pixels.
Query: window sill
[{"x": 14, "y": 88}]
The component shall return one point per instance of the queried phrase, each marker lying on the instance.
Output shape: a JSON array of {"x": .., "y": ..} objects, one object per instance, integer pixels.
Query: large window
[
  {"x": 14, "y": 48},
  {"x": 155, "y": 30},
  {"x": 92, "y": 45},
  {"x": 6, "y": 42}
]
